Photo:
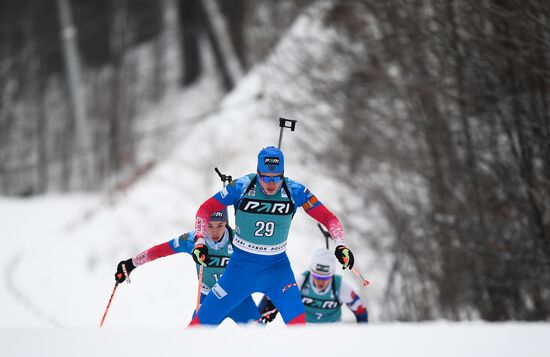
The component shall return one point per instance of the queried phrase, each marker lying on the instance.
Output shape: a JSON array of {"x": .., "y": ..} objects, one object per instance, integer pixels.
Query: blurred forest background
[{"x": 437, "y": 111}]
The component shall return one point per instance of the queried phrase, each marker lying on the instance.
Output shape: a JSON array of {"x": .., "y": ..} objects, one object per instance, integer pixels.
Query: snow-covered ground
[{"x": 425, "y": 340}]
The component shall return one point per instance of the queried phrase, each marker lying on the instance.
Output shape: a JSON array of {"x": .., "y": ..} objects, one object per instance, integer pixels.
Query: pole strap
[{"x": 126, "y": 274}]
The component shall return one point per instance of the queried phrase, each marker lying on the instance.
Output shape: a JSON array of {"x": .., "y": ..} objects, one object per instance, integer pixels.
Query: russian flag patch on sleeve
[{"x": 310, "y": 203}]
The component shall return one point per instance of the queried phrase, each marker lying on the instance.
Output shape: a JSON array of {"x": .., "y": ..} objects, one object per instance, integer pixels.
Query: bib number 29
[{"x": 264, "y": 229}]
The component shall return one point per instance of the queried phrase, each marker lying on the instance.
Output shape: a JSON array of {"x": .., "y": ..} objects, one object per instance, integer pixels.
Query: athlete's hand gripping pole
[
  {"x": 123, "y": 271},
  {"x": 283, "y": 124},
  {"x": 268, "y": 310},
  {"x": 268, "y": 316},
  {"x": 355, "y": 271}
]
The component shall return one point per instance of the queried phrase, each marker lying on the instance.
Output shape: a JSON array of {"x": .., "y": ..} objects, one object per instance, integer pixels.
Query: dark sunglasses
[{"x": 268, "y": 179}]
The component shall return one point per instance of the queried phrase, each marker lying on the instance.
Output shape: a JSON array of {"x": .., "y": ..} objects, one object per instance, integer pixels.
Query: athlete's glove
[
  {"x": 269, "y": 313},
  {"x": 200, "y": 254},
  {"x": 344, "y": 256},
  {"x": 127, "y": 265}
]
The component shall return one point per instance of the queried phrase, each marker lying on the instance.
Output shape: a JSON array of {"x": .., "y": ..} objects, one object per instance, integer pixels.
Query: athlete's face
[
  {"x": 270, "y": 182},
  {"x": 321, "y": 284},
  {"x": 215, "y": 230}
]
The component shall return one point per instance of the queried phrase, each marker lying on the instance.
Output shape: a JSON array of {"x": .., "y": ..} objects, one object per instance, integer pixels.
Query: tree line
[
  {"x": 132, "y": 53},
  {"x": 436, "y": 115}
]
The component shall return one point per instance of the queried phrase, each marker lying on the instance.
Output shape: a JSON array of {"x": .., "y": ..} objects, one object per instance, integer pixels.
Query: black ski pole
[
  {"x": 224, "y": 178},
  {"x": 283, "y": 124},
  {"x": 325, "y": 233}
]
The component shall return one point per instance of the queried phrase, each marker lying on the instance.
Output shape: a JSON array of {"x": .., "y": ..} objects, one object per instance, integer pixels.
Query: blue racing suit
[{"x": 259, "y": 262}]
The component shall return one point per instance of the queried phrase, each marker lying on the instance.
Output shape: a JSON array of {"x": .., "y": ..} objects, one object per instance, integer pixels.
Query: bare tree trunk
[
  {"x": 73, "y": 73},
  {"x": 225, "y": 51},
  {"x": 41, "y": 146},
  {"x": 35, "y": 107},
  {"x": 167, "y": 68},
  {"x": 190, "y": 14},
  {"x": 171, "y": 39},
  {"x": 118, "y": 43}
]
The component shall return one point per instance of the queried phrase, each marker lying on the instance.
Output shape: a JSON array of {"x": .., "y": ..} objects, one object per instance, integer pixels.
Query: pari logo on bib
[{"x": 271, "y": 160}]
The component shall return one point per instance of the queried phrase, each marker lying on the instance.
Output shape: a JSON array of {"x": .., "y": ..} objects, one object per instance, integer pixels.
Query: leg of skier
[
  {"x": 233, "y": 287},
  {"x": 246, "y": 312},
  {"x": 280, "y": 285}
]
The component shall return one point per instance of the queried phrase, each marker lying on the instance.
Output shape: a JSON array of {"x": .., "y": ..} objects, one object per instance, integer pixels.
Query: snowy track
[{"x": 430, "y": 339}]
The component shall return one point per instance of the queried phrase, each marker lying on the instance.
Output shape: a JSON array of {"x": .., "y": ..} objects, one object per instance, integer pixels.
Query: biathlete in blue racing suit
[{"x": 265, "y": 204}]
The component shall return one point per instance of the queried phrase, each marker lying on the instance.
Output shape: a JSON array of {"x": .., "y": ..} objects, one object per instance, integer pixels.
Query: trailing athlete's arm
[
  {"x": 182, "y": 244},
  {"x": 177, "y": 245},
  {"x": 354, "y": 302}
]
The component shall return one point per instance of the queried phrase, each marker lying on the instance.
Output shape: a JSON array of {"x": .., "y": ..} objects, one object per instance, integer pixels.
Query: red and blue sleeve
[
  {"x": 181, "y": 244},
  {"x": 308, "y": 201},
  {"x": 322, "y": 215},
  {"x": 184, "y": 243},
  {"x": 158, "y": 251},
  {"x": 226, "y": 197},
  {"x": 358, "y": 308}
]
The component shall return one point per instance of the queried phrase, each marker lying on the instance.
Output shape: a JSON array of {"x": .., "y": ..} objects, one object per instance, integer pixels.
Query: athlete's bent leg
[
  {"x": 279, "y": 284},
  {"x": 232, "y": 288},
  {"x": 287, "y": 299},
  {"x": 246, "y": 312}
]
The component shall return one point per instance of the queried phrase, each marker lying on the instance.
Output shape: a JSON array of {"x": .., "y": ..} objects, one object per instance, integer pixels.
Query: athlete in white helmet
[{"x": 323, "y": 293}]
